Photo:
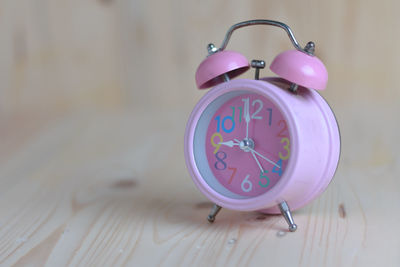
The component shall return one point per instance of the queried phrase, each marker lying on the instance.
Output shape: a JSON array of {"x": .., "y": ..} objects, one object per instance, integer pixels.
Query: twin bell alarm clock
[{"x": 264, "y": 144}]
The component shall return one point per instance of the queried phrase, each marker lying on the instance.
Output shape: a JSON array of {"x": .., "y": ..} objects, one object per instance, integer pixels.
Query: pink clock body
[{"x": 295, "y": 145}]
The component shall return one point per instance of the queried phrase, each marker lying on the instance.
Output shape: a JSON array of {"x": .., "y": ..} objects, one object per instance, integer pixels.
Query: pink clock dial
[{"x": 247, "y": 144}]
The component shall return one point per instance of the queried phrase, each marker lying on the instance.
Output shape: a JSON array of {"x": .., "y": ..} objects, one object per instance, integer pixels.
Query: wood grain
[
  {"x": 111, "y": 189},
  {"x": 69, "y": 55},
  {"x": 94, "y": 96}
]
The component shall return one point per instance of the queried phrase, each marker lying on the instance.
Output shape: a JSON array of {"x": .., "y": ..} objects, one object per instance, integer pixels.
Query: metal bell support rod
[
  {"x": 211, "y": 49},
  {"x": 257, "y": 64}
]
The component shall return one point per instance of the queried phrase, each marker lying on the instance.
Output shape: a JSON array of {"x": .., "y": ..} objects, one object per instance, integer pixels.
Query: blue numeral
[
  {"x": 219, "y": 123},
  {"x": 220, "y": 164},
  {"x": 276, "y": 169},
  {"x": 270, "y": 116},
  {"x": 218, "y": 119}
]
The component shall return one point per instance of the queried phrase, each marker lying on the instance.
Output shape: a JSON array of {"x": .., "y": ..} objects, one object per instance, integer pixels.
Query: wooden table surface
[
  {"x": 111, "y": 188},
  {"x": 82, "y": 185}
]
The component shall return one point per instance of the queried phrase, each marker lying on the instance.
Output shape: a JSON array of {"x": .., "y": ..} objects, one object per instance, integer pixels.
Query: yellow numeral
[
  {"x": 286, "y": 147},
  {"x": 216, "y": 145}
]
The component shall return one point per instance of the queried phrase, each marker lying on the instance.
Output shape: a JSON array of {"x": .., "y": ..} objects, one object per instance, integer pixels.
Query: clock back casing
[{"x": 315, "y": 146}]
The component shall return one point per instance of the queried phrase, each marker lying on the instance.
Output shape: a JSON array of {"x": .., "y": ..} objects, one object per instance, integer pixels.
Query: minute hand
[
  {"x": 247, "y": 115},
  {"x": 267, "y": 159}
]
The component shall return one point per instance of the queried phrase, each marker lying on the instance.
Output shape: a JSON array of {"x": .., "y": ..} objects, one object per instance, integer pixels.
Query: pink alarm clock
[{"x": 270, "y": 144}]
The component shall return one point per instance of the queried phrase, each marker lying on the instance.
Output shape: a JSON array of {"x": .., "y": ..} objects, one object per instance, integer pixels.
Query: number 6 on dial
[{"x": 246, "y": 184}]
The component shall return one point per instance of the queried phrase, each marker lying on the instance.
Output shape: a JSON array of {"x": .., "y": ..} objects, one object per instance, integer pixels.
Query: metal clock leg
[
  {"x": 214, "y": 211},
  {"x": 285, "y": 210}
]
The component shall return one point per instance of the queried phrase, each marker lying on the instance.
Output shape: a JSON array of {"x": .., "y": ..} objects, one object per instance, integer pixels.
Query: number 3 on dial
[{"x": 286, "y": 147}]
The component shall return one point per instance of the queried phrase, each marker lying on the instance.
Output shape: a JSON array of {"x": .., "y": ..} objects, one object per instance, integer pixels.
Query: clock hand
[
  {"x": 247, "y": 116},
  {"x": 253, "y": 151},
  {"x": 267, "y": 159},
  {"x": 229, "y": 143},
  {"x": 258, "y": 163}
]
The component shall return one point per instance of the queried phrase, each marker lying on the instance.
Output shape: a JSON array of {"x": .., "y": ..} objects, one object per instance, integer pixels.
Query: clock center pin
[{"x": 246, "y": 145}]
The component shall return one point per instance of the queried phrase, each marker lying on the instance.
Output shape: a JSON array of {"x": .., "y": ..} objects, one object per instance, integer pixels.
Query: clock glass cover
[{"x": 242, "y": 144}]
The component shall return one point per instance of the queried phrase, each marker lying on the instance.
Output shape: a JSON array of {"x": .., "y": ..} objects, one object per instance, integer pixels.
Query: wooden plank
[
  {"x": 109, "y": 187},
  {"x": 112, "y": 189}
]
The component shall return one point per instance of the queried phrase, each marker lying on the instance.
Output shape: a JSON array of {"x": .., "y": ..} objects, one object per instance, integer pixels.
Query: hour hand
[{"x": 230, "y": 143}]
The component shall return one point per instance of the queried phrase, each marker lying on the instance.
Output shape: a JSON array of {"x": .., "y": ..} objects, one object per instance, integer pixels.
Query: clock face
[{"x": 247, "y": 144}]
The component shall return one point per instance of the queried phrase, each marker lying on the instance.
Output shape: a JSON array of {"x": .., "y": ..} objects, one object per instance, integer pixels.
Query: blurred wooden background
[
  {"x": 63, "y": 55},
  {"x": 82, "y": 81}
]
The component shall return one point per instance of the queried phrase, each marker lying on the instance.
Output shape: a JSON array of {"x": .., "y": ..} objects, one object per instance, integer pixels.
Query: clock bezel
[{"x": 275, "y": 95}]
